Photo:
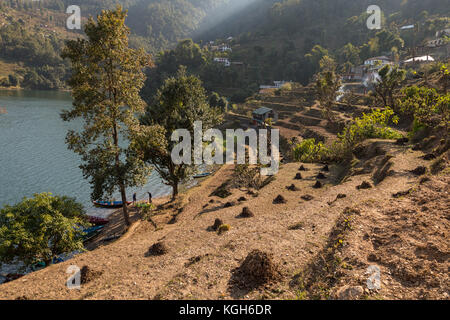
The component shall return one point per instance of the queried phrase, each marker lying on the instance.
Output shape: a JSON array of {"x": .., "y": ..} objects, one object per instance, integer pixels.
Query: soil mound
[
  {"x": 88, "y": 275},
  {"x": 246, "y": 213},
  {"x": 257, "y": 269},
  {"x": 158, "y": 249},
  {"x": 279, "y": 200}
]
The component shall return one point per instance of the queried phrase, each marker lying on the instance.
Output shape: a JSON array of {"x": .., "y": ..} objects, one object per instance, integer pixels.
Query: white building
[
  {"x": 225, "y": 61},
  {"x": 276, "y": 85},
  {"x": 225, "y": 48},
  {"x": 376, "y": 63},
  {"x": 420, "y": 59}
]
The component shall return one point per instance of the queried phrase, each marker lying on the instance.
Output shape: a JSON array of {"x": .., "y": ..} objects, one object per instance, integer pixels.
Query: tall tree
[
  {"x": 106, "y": 79},
  {"x": 180, "y": 102},
  {"x": 327, "y": 86}
]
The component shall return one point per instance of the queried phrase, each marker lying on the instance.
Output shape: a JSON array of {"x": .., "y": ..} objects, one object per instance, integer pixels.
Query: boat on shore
[
  {"x": 202, "y": 175},
  {"x": 97, "y": 221},
  {"x": 110, "y": 204}
]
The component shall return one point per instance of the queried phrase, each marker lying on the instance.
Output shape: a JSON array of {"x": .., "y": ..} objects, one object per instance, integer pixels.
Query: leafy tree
[
  {"x": 390, "y": 79},
  {"x": 327, "y": 86},
  {"x": 40, "y": 229},
  {"x": 107, "y": 76},
  {"x": 179, "y": 103},
  {"x": 349, "y": 54},
  {"x": 216, "y": 101}
]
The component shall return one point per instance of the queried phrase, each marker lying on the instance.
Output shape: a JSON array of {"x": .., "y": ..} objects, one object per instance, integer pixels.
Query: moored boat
[
  {"x": 97, "y": 221},
  {"x": 202, "y": 175},
  {"x": 110, "y": 204}
]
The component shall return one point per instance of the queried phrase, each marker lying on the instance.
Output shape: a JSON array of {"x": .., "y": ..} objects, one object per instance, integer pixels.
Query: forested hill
[
  {"x": 32, "y": 33},
  {"x": 272, "y": 39},
  {"x": 286, "y": 40}
]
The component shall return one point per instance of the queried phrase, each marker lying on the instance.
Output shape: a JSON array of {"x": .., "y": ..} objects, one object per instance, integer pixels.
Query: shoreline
[{"x": 116, "y": 228}]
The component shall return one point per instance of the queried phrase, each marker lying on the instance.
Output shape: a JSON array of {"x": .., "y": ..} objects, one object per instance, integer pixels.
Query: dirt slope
[{"x": 201, "y": 264}]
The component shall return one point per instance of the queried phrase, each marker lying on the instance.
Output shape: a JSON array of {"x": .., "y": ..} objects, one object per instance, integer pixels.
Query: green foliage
[
  {"x": 106, "y": 79},
  {"x": 308, "y": 151},
  {"x": 327, "y": 86},
  {"x": 180, "y": 102},
  {"x": 390, "y": 80},
  {"x": 41, "y": 228},
  {"x": 372, "y": 125},
  {"x": 428, "y": 106},
  {"x": 216, "y": 101}
]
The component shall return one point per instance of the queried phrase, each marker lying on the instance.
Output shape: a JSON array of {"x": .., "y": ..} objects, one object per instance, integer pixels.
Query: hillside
[
  {"x": 31, "y": 42},
  {"x": 319, "y": 229},
  {"x": 300, "y": 237}
]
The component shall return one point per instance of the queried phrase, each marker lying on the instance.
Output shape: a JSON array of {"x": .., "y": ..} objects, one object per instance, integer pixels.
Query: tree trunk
[
  {"x": 174, "y": 191},
  {"x": 126, "y": 216}
]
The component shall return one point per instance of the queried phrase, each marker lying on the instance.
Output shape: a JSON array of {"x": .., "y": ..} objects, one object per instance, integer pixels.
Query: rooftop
[{"x": 262, "y": 111}]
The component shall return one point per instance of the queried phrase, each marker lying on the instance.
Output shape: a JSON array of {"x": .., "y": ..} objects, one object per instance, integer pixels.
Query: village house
[
  {"x": 276, "y": 85},
  {"x": 225, "y": 48},
  {"x": 225, "y": 61},
  {"x": 420, "y": 59},
  {"x": 376, "y": 63},
  {"x": 261, "y": 115},
  {"x": 355, "y": 74}
]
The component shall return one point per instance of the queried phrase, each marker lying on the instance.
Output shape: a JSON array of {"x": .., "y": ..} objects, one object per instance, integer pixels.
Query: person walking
[{"x": 134, "y": 199}]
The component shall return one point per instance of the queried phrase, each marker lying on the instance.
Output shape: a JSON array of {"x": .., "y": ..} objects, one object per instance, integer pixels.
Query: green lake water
[{"x": 34, "y": 157}]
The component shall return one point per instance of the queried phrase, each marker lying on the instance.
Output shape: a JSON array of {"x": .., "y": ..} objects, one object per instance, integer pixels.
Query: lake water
[{"x": 34, "y": 157}]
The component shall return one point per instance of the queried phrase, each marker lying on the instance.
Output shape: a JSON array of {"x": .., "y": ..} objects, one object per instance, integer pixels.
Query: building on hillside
[
  {"x": 355, "y": 74},
  {"x": 225, "y": 48},
  {"x": 408, "y": 27},
  {"x": 260, "y": 116},
  {"x": 421, "y": 59},
  {"x": 276, "y": 85},
  {"x": 376, "y": 63},
  {"x": 225, "y": 61},
  {"x": 436, "y": 43}
]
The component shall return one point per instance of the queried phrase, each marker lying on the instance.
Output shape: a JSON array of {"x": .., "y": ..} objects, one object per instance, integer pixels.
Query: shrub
[
  {"x": 369, "y": 126},
  {"x": 372, "y": 125},
  {"x": 428, "y": 107},
  {"x": 41, "y": 228},
  {"x": 309, "y": 151},
  {"x": 223, "y": 228}
]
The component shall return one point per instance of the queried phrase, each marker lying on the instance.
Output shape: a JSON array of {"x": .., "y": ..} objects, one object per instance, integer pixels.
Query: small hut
[{"x": 262, "y": 114}]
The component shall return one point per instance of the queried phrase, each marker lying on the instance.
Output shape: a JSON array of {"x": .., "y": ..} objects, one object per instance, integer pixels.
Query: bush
[
  {"x": 369, "y": 126},
  {"x": 428, "y": 107},
  {"x": 40, "y": 229},
  {"x": 309, "y": 151},
  {"x": 372, "y": 125},
  {"x": 223, "y": 228}
]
